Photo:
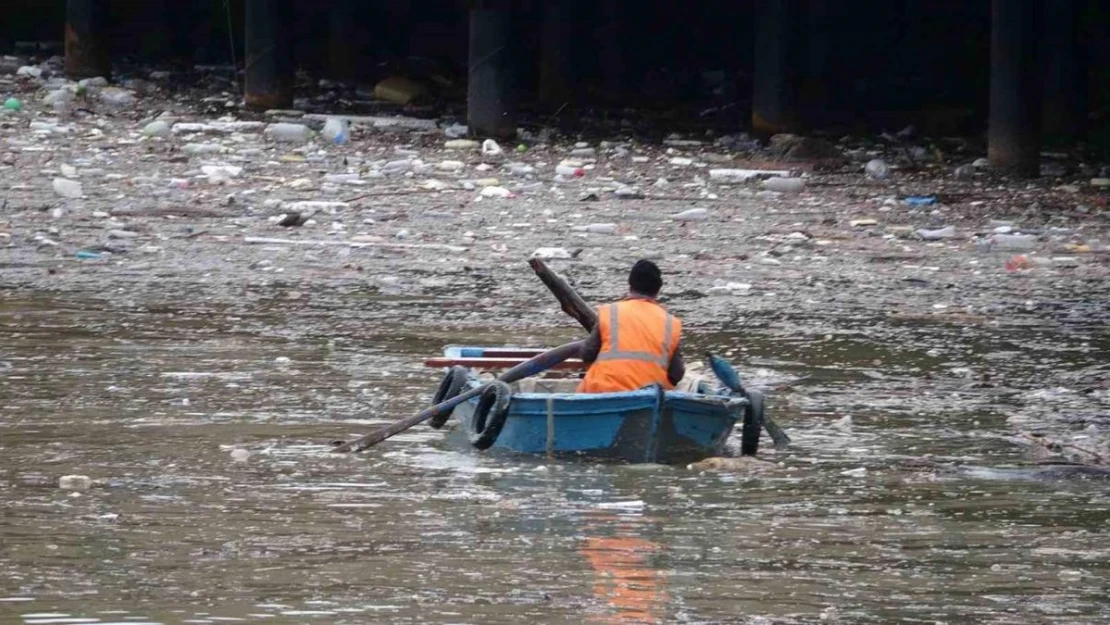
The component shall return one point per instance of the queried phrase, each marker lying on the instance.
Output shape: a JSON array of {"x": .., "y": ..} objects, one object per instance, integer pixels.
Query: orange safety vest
[{"x": 638, "y": 339}]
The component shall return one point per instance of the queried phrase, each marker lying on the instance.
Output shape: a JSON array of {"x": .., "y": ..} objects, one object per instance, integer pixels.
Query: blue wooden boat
[{"x": 545, "y": 415}]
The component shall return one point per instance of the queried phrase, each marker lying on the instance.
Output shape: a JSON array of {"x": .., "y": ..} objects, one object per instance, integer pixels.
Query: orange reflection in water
[{"x": 625, "y": 579}]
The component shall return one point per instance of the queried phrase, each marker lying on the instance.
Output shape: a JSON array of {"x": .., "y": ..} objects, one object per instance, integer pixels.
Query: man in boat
[{"x": 636, "y": 342}]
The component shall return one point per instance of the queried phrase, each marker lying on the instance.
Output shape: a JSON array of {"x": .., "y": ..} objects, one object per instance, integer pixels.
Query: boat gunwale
[{"x": 722, "y": 401}]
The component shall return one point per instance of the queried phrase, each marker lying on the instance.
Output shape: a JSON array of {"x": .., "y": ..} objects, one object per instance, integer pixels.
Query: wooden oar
[
  {"x": 573, "y": 304},
  {"x": 569, "y": 299},
  {"x": 528, "y": 368}
]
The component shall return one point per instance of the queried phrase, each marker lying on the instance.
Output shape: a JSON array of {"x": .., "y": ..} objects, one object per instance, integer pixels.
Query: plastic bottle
[
  {"x": 598, "y": 228},
  {"x": 491, "y": 148},
  {"x": 70, "y": 189},
  {"x": 785, "y": 185},
  {"x": 60, "y": 99},
  {"x": 1013, "y": 241},
  {"x": 337, "y": 130},
  {"x": 694, "y": 214},
  {"x": 496, "y": 192},
  {"x": 197, "y": 149},
  {"x": 456, "y": 131},
  {"x": 118, "y": 98},
  {"x": 521, "y": 169},
  {"x": 964, "y": 172},
  {"x": 221, "y": 174},
  {"x": 47, "y": 128},
  {"x": 92, "y": 84},
  {"x": 289, "y": 133},
  {"x": 936, "y": 235},
  {"x": 921, "y": 200},
  {"x": 734, "y": 175},
  {"x": 567, "y": 170},
  {"x": 342, "y": 178},
  {"x": 397, "y": 167},
  {"x": 461, "y": 144},
  {"x": 877, "y": 169},
  {"x": 157, "y": 129}
]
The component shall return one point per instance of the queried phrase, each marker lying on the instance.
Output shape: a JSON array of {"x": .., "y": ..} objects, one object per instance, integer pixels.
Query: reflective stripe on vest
[{"x": 615, "y": 353}]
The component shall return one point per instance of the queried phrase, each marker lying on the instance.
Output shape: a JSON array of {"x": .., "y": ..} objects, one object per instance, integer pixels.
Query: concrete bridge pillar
[
  {"x": 1014, "y": 126},
  {"x": 269, "y": 54},
  {"x": 345, "y": 39},
  {"x": 556, "y": 46},
  {"x": 778, "y": 24},
  {"x": 86, "y": 39},
  {"x": 490, "y": 95}
]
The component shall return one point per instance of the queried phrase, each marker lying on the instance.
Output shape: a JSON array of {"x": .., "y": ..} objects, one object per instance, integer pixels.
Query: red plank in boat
[{"x": 496, "y": 363}]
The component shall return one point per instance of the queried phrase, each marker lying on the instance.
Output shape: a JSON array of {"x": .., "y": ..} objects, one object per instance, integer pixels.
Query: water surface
[{"x": 897, "y": 514}]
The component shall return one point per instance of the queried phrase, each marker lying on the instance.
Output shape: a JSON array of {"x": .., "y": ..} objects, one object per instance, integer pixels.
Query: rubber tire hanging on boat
[
  {"x": 490, "y": 415},
  {"x": 453, "y": 383},
  {"x": 752, "y": 424}
]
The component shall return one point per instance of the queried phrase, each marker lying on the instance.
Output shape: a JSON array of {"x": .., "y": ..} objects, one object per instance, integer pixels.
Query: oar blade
[
  {"x": 725, "y": 372},
  {"x": 728, "y": 376}
]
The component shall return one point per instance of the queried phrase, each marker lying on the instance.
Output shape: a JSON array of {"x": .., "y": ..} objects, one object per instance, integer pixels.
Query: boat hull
[{"x": 647, "y": 425}]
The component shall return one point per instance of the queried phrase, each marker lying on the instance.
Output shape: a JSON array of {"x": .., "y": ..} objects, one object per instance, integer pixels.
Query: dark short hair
[{"x": 645, "y": 278}]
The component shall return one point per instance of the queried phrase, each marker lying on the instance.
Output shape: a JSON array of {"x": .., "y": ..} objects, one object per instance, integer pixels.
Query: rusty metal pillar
[
  {"x": 1064, "y": 109},
  {"x": 490, "y": 97},
  {"x": 556, "y": 46},
  {"x": 87, "y": 39},
  {"x": 775, "y": 77},
  {"x": 345, "y": 39},
  {"x": 269, "y": 54},
  {"x": 1014, "y": 136}
]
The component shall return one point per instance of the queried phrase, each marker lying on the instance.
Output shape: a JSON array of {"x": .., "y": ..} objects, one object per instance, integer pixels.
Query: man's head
[{"x": 645, "y": 278}]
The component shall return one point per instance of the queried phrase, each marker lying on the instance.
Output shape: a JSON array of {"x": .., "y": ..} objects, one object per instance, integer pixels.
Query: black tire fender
[
  {"x": 752, "y": 424},
  {"x": 490, "y": 415},
  {"x": 453, "y": 383}
]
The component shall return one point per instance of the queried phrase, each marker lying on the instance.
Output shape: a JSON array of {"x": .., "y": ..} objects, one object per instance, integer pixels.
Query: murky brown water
[{"x": 152, "y": 400}]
